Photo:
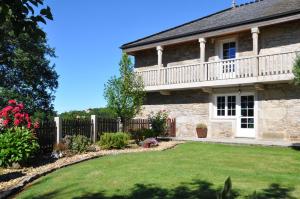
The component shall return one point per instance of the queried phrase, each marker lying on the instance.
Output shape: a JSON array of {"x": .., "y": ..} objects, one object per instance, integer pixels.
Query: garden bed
[{"x": 12, "y": 180}]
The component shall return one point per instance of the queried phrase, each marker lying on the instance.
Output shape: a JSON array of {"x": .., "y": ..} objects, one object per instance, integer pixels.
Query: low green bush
[
  {"x": 77, "y": 143},
  {"x": 17, "y": 145},
  {"x": 142, "y": 134},
  {"x": 114, "y": 140},
  {"x": 158, "y": 122}
]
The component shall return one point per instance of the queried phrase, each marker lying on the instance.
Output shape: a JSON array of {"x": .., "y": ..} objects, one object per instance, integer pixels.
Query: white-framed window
[{"x": 225, "y": 106}]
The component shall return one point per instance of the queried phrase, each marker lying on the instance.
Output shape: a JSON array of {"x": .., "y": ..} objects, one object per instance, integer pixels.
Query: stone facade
[
  {"x": 188, "y": 107},
  {"x": 279, "y": 112},
  {"x": 278, "y": 105}
]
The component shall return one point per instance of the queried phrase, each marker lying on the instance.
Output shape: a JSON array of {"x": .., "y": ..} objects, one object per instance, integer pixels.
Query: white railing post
[
  {"x": 94, "y": 128},
  {"x": 58, "y": 122}
]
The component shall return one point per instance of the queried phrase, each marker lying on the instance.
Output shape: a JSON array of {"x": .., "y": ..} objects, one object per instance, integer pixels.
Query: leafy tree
[
  {"x": 125, "y": 94},
  {"x": 296, "y": 71},
  {"x": 26, "y": 73},
  {"x": 100, "y": 112}
]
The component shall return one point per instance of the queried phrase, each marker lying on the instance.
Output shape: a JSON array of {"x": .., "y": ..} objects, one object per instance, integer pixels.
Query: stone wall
[
  {"x": 145, "y": 58},
  {"x": 279, "y": 112},
  {"x": 280, "y": 38},
  {"x": 188, "y": 107}
]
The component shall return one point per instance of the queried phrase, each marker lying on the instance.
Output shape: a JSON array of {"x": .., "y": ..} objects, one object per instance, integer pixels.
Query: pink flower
[
  {"x": 12, "y": 102},
  {"x": 29, "y": 125},
  {"x": 18, "y": 116},
  {"x": 16, "y": 110},
  {"x": 8, "y": 108},
  {"x": 17, "y": 122},
  {"x": 5, "y": 122},
  {"x": 36, "y": 125},
  {"x": 21, "y": 106}
]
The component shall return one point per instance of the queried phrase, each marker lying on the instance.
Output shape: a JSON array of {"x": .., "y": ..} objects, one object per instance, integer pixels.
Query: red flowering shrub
[
  {"x": 14, "y": 115},
  {"x": 17, "y": 140}
]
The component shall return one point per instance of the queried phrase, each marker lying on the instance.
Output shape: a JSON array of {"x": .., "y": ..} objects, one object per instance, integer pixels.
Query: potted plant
[{"x": 201, "y": 130}]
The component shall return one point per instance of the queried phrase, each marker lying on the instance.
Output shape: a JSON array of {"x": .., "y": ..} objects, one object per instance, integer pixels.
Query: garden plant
[{"x": 17, "y": 139}]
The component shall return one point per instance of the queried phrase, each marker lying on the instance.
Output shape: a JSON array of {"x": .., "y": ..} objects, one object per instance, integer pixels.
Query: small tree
[
  {"x": 296, "y": 71},
  {"x": 125, "y": 94}
]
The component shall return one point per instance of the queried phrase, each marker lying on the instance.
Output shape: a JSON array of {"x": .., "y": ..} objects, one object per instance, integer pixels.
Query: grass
[{"x": 192, "y": 170}]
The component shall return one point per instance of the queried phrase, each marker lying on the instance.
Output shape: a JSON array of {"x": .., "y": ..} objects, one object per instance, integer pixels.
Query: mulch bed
[{"x": 14, "y": 180}]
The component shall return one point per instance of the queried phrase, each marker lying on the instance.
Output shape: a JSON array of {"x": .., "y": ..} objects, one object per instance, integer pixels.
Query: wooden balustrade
[{"x": 255, "y": 66}]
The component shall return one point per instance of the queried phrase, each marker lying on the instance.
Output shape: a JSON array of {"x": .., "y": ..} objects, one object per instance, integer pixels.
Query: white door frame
[{"x": 246, "y": 133}]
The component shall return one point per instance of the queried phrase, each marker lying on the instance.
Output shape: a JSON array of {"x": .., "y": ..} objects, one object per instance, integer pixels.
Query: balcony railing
[{"x": 241, "y": 68}]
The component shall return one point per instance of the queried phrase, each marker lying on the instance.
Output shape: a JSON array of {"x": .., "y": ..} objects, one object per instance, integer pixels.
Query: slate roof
[{"x": 258, "y": 10}]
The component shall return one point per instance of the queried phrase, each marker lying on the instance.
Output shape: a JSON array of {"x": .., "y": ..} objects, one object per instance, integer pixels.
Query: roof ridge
[
  {"x": 248, "y": 3},
  {"x": 215, "y": 13},
  {"x": 224, "y": 10}
]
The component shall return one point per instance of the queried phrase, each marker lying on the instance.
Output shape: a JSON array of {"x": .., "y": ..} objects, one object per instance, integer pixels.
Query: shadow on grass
[
  {"x": 194, "y": 190},
  {"x": 197, "y": 189},
  {"x": 296, "y": 147},
  {"x": 275, "y": 191}
]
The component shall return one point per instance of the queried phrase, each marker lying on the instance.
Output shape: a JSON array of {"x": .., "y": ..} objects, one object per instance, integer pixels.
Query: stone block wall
[
  {"x": 279, "y": 112},
  {"x": 188, "y": 107}
]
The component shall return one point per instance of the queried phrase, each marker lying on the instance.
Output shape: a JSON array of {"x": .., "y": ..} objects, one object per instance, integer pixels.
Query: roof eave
[{"x": 276, "y": 16}]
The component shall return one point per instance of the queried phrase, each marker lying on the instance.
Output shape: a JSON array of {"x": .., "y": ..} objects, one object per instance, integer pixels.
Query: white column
[
  {"x": 58, "y": 129},
  {"x": 202, "y": 42},
  {"x": 94, "y": 128},
  {"x": 160, "y": 50},
  {"x": 255, "y": 33}
]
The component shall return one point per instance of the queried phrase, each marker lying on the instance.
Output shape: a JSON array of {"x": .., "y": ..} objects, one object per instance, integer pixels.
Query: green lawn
[{"x": 192, "y": 170}]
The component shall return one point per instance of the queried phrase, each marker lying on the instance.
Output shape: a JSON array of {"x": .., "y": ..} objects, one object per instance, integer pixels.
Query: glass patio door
[{"x": 246, "y": 120}]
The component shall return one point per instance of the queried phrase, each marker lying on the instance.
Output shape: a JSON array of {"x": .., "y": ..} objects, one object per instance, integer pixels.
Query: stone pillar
[
  {"x": 255, "y": 33},
  {"x": 58, "y": 129},
  {"x": 94, "y": 128},
  {"x": 202, "y": 42},
  {"x": 160, "y": 50},
  {"x": 120, "y": 125}
]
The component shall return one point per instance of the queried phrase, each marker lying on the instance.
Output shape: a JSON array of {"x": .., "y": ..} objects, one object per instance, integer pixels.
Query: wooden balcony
[{"x": 242, "y": 71}]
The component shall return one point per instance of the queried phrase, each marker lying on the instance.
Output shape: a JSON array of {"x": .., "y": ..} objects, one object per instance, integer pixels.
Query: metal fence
[{"x": 46, "y": 135}]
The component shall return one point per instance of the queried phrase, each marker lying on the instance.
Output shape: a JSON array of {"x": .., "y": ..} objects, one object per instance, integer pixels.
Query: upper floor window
[{"x": 229, "y": 50}]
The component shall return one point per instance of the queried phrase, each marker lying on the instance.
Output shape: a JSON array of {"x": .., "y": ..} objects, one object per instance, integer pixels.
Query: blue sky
[{"x": 87, "y": 35}]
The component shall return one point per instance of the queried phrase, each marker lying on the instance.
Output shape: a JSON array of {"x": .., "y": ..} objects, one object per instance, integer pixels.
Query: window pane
[
  {"x": 231, "y": 105},
  {"x": 229, "y": 51},
  {"x": 221, "y": 105}
]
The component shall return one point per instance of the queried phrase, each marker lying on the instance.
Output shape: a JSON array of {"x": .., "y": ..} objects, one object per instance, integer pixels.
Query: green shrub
[
  {"x": 17, "y": 145},
  {"x": 77, "y": 143},
  {"x": 296, "y": 71},
  {"x": 114, "y": 140},
  {"x": 158, "y": 122},
  {"x": 142, "y": 134}
]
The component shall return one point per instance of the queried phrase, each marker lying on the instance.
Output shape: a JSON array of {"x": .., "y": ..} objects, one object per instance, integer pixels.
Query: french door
[{"x": 246, "y": 116}]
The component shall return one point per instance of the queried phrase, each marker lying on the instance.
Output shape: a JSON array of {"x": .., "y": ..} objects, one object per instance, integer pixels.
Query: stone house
[{"x": 231, "y": 70}]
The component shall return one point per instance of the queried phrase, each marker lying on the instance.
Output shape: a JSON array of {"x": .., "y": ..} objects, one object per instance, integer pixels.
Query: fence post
[
  {"x": 120, "y": 125},
  {"x": 95, "y": 127},
  {"x": 58, "y": 129}
]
